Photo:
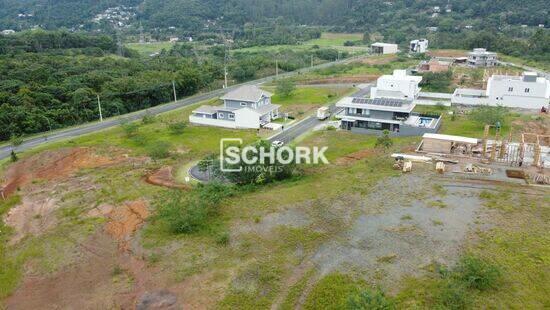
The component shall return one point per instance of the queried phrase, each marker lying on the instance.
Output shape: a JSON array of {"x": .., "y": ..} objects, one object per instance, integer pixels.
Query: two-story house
[
  {"x": 245, "y": 107},
  {"x": 390, "y": 107},
  {"x": 480, "y": 57},
  {"x": 528, "y": 91}
]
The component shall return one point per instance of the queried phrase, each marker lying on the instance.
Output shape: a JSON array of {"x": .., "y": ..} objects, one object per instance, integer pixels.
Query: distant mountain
[{"x": 199, "y": 15}]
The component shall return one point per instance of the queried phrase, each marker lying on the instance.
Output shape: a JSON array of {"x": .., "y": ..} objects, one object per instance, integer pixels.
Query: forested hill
[{"x": 200, "y": 14}]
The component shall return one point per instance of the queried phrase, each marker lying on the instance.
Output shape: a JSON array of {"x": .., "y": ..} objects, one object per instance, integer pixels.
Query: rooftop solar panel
[{"x": 381, "y": 101}]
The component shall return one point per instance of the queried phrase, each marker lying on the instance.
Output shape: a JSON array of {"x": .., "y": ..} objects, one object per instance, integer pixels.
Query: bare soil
[
  {"x": 354, "y": 157},
  {"x": 164, "y": 177},
  {"x": 52, "y": 165},
  {"x": 343, "y": 79},
  {"x": 32, "y": 217}
]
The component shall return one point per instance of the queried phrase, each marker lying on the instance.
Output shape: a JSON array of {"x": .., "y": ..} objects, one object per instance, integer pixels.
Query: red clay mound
[
  {"x": 51, "y": 165},
  {"x": 164, "y": 177}
]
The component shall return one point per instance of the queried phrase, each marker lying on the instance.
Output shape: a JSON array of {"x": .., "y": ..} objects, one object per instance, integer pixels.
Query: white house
[
  {"x": 418, "y": 46},
  {"x": 399, "y": 85},
  {"x": 480, "y": 57},
  {"x": 245, "y": 107},
  {"x": 384, "y": 48},
  {"x": 527, "y": 91}
]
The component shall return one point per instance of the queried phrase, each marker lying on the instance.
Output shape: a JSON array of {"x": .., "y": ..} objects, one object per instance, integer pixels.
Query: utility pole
[
  {"x": 99, "y": 107},
  {"x": 276, "y": 68},
  {"x": 312, "y": 61},
  {"x": 225, "y": 76},
  {"x": 174, "y": 89}
]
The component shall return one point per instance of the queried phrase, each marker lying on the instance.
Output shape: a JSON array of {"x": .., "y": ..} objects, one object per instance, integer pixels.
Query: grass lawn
[
  {"x": 335, "y": 39},
  {"x": 146, "y": 49},
  {"x": 545, "y": 66}
]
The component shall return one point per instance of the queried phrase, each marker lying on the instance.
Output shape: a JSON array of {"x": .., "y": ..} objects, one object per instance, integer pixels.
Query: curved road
[{"x": 111, "y": 122}]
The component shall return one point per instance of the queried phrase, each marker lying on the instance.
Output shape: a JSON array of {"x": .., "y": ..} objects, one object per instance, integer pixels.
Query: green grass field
[
  {"x": 335, "y": 39},
  {"x": 146, "y": 49}
]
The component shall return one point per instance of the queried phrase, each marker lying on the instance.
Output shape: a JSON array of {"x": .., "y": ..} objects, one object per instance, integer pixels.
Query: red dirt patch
[
  {"x": 103, "y": 278},
  {"x": 353, "y": 157},
  {"x": 125, "y": 220},
  {"x": 51, "y": 165},
  {"x": 31, "y": 217},
  {"x": 164, "y": 177}
]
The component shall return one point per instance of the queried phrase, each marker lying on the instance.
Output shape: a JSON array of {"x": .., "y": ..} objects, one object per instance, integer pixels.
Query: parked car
[
  {"x": 323, "y": 113},
  {"x": 277, "y": 143}
]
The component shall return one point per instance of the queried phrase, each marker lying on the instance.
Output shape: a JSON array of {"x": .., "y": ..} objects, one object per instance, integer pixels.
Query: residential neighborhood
[{"x": 274, "y": 155}]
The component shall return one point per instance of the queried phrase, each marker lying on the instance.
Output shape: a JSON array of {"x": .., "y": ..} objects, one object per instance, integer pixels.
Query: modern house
[
  {"x": 480, "y": 57},
  {"x": 245, "y": 107},
  {"x": 527, "y": 91},
  {"x": 399, "y": 85},
  {"x": 383, "y": 48},
  {"x": 390, "y": 107},
  {"x": 418, "y": 46},
  {"x": 373, "y": 116}
]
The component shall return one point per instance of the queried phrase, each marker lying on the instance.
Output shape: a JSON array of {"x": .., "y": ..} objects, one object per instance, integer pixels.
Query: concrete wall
[
  {"x": 404, "y": 130},
  {"x": 212, "y": 122},
  {"x": 247, "y": 118}
]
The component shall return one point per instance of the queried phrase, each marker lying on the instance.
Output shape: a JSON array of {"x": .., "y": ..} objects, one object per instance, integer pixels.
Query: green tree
[
  {"x": 285, "y": 87},
  {"x": 384, "y": 141}
]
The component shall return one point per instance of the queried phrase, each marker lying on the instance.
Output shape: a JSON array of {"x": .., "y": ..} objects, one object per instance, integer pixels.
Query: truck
[{"x": 323, "y": 113}]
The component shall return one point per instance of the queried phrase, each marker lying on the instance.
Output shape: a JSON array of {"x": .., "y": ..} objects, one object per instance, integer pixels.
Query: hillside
[{"x": 348, "y": 14}]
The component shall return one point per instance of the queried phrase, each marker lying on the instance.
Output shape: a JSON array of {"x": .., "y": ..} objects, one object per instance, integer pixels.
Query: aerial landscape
[{"x": 267, "y": 154}]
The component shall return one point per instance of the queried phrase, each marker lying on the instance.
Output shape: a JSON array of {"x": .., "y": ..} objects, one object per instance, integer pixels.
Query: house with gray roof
[{"x": 245, "y": 107}]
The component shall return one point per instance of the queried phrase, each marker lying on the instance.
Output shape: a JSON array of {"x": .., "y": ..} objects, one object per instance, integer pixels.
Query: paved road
[
  {"x": 310, "y": 122},
  {"x": 111, "y": 122}
]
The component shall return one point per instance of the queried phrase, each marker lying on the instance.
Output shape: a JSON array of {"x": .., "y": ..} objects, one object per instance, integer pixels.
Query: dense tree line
[{"x": 52, "y": 84}]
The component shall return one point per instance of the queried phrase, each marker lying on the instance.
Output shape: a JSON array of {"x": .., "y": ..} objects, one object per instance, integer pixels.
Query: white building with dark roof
[{"x": 245, "y": 107}]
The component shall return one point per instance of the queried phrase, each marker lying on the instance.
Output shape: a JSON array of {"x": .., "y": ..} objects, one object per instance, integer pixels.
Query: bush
[
  {"x": 177, "y": 128},
  {"x": 370, "y": 300},
  {"x": 189, "y": 213},
  {"x": 130, "y": 129},
  {"x": 452, "y": 296},
  {"x": 148, "y": 119},
  {"x": 181, "y": 215},
  {"x": 222, "y": 239},
  {"x": 384, "y": 141},
  {"x": 159, "y": 150},
  {"x": 476, "y": 273}
]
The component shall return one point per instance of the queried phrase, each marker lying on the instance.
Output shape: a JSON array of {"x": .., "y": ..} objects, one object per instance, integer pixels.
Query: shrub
[
  {"x": 177, "y": 128},
  {"x": 370, "y": 300},
  {"x": 148, "y": 119},
  {"x": 13, "y": 156},
  {"x": 452, "y": 295},
  {"x": 384, "y": 141},
  {"x": 333, "y": 292},
  {"x": 476, "y": 273},
  {"x": 189, "y": 213},
  {"x": 222, "y": 239},
  {"x": 182, "y": 216},
  {"x": 130, "y": 129},
  {"x": 159, "y": 150}
]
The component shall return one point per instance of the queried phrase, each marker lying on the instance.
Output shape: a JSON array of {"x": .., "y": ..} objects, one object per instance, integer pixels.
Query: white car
[{"x": 277, "y": 143}]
